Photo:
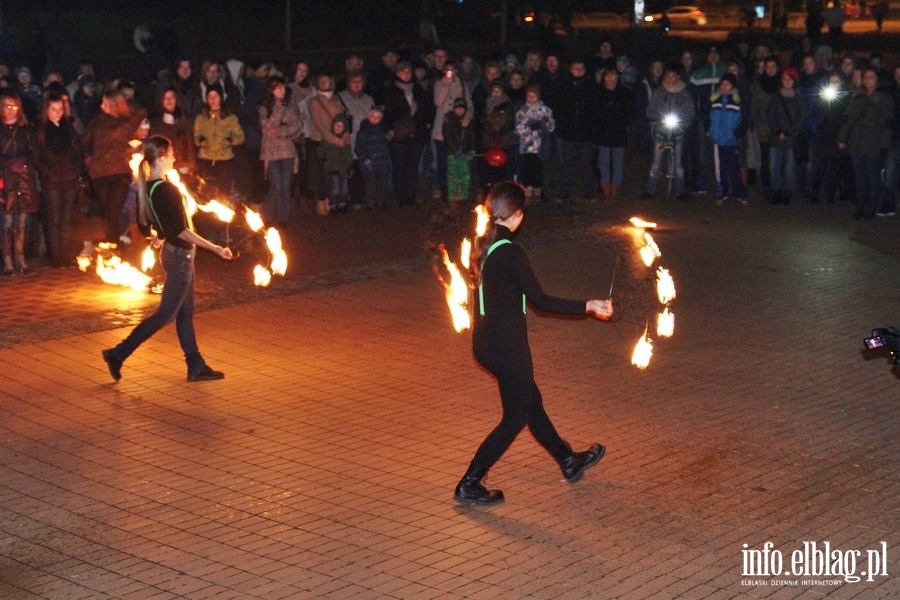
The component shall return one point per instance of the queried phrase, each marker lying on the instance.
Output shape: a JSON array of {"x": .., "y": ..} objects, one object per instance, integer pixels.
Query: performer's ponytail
[
  {"x": 504, "y": 199},
  {"x": 154, "y": 147}
]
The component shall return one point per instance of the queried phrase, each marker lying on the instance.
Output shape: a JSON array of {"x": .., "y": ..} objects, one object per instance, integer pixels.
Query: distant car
[
  {"x": 680, "y": 16},
  {"x": 598, "y": 20}
]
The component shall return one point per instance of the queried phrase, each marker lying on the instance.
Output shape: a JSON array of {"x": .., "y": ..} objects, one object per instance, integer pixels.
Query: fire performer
[
  {"x": 500, "y": 341},
  {"x": 161, "y": 206}
]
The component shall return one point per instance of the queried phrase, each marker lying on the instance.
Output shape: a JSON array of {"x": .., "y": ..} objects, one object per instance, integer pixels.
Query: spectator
[
  {"x": 830, "y": 109},
  {"x": 809, "y": 86},
  {"x": 279, "y": 121},
  {"x": 534, "y": 60},
  {"x": 216, "y": 132},
  {"x": 460, "y": 145},
  {"x": 59, "y": 159},
  {"x": 374, "y": 159},
  {"x": 180, "y": 78},
  {"x": 534, "y": 124},
  {"x": 727, "y": 127},
  {"x": 20, "y": 195},
  {"x": 763, "y": 89},
  {"x": 574, "y": 125},
  {"x": 446, "y": 90},
  {"x": 86, "y": 99},
  {"x": 671, "y": 98},
  {"x": 171, "y": 122},
  {"x": 302, "y": 90},
  {"x": 383, "y": 76},
  {"x": 356, "y": 102},
  {"x": 107, "y": 152},
  {"x": 866, "y": 134},
  {"x": 30, "y": 93},
  {"x": 703, "y": 84},
  {"x": 337, "y": 160},
  {"x": 891, "y": 178},
  {"x": 552, "y": 82},
  {"x": 615, "y": 113},
  {"x": 405, "y": 124},
  {"x": 498, "y": 125},
  {"x": 642, "y": 95},
  {"x": 786, "y": 118},
  {"x": 323, "y": 108}
]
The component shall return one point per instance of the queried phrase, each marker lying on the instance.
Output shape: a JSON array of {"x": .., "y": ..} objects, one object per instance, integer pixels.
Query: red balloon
[{"x": 496, "y": 157}]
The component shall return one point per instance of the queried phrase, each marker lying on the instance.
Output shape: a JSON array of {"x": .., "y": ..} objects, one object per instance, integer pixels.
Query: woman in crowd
[
  {"x": 170, "y": 121},
  {"x": 19, "y": 194},
  {"x": 279, "y": 121},
  {"x": 504, "y": 278},
  {"x": 216, "y": 132},
  {"x": 162, "y": 207},
  {"x": 786, "y": 117},
  {"x": 106, "y": 152},
  {"x": 60, "y": 159},
  {"x": 498, "y": 129},
  {"x": 302, "y": 90},
  {"x": 865, "y": 135},
  {"x": 615, "y": 112}
]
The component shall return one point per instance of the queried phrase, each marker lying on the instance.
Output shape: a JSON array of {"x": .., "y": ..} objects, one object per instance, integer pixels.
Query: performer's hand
[
  {"x": 224, "y": 252},
  {"x": 602, "y": 309}
]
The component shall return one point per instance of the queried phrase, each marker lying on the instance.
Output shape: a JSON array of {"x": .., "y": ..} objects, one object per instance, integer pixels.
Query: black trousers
[{"x": 522, "y": 405}]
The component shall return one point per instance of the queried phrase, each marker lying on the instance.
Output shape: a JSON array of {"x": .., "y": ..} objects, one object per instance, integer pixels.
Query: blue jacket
[
  {"x": 372, "y": 148},
  {"x": 726, "y": 119}
]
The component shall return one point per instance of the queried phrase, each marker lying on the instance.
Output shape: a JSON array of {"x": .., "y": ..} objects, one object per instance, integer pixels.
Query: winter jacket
[
  {"x": 445, "y": 93},
  {"x": 215, "y": 135},
  {"x": 615, "y": 112},
  {"x": 17, "y": 145},
  {"x": 357, "y": 107},
  {"x": 106, "y": 144},
  {"x": 371, "y": 148},
  {"x": 459, "y": 140},
  {"x": 322, "y": 111},
  {"x": 403, "y": 111},
  {"x": 181, "y": 134},
  {"x": 705, "y": 81},
  {"x": 279, "y": 128},
  {"x": 727, "y": 121},
  {"x": 867, "y": 128},
  {"x": 762, "y": 91},
  {"x": 499, "y": 123},
  {"x": 678, "y": 102},
  {"x": 534, "y": 124},
  {"x": 337, "y": 159},
  {"x": 787, "y": 115},
  {"x": 576, "y": 109},
  {"x": 59, "y": 156}
]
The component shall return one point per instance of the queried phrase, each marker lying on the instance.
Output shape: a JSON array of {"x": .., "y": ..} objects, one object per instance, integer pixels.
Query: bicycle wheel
[{"x": 669, "y": 159}]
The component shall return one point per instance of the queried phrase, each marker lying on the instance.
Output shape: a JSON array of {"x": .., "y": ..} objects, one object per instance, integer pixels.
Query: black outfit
[
  {"x": 500, "y": 343},
  {"x": 60, "y": 159}
]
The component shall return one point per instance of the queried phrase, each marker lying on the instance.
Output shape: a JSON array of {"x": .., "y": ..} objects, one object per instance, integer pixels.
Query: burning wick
[
  {"x": 641, "y": 224},
  {"x": 665, "y": 324},
  {"x": 650, "y": 251},
  {"x": 643, "y": 350},
  {"x": 665, "y": 286},
  {"x": 482, "y": 222}
]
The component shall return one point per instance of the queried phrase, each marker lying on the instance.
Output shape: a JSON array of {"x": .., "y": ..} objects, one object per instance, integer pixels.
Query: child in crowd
[
  {"x": 726, "y": 129},
  {"x": 374, "y": 160},
  {"x": 460, "y": 144},
  {"x": 338, "y": 162}
]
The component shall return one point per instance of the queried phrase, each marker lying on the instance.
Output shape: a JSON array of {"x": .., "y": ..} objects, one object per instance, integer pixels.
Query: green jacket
[{"x": 214, "y": 135}]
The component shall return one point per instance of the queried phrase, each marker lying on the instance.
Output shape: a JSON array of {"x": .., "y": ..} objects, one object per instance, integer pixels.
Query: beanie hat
[{"x": 792, "y": 73}]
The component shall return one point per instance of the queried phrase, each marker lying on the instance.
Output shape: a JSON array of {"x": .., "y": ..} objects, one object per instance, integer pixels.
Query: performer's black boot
[
  {"x": 574, "y": 464},
  {"x": 469, "y": 488}
]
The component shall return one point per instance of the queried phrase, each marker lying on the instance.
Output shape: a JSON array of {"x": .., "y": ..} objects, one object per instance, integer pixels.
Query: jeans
[
  {"x": 867, "y": 175},
  {"x": 657, "y": 166},
  {"x": 782, "y": 169},
  {"x": 177, "y": 303},
  {"x": 338, "y": 189},
  {"x": 278, "y": 199},
  {"x": 610, "y": 160},
  {"x": 379, "y": 186}
]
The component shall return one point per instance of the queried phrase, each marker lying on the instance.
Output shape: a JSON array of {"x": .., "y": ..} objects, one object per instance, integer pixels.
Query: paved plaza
[{"x": 323, "y": 465}]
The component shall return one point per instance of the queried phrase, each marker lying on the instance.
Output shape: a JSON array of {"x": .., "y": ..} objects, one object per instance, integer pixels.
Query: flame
[
  {"x": 482, "y": 222},
  {"x": 84, "y": 262},
  {"x": 649, "y": 251},
  {"x": 136, "y": 144},
  {"x": 643, "y": 350},
  {"x": 456, "y": 294},
  {"x": 222, "y": 212},
  {"x": 115, "y": 271},
  {"x": 135, "y": 163},
  {"x": 190, "y": 203},
  {"x": 261, "y": 276},
  {"x": 465, "y": 253},
  {"x": 279, "y": 258},
  {"x": 665, "y": 286},
  {"x": 148, "y": 259},
  {"x": 665, "y": 324},
  {"x": 642, "y": 224},
  {"x": 254, "y": 221}
]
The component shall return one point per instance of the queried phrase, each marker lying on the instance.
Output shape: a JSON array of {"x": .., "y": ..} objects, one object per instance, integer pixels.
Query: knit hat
[
  {"x": 23, "y": 69},
  {"x": 403, "y": 64},
  {"x": 460, "y": 102},
  {"x": 730, "y": 78},
  {"x": 379, "y": 108}
]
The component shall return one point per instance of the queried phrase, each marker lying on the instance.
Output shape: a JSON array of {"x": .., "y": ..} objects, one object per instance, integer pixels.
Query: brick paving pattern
[{"x": 323, "y": 465}]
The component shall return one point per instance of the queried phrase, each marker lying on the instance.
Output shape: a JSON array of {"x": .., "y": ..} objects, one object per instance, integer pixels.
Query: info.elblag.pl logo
[{"x": 814, "y": 559}]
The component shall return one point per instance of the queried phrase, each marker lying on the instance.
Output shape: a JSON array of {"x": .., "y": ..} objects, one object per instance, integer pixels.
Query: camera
[{"x": 887, "y": 338}]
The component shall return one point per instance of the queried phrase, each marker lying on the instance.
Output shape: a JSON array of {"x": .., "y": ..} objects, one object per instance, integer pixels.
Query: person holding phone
[
  {"x": 504, "y": 279},
  {"x": 162, "y": 207}
]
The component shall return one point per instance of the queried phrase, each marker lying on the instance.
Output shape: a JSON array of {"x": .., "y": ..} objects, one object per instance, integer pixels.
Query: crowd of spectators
[{"x": 421, "y": 127}]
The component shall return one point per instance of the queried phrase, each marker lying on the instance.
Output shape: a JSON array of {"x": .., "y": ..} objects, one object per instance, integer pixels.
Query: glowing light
[
  {"x": 650, "y": 251},
  {"x": 465, "y": 253},
  {"x": 643, "y": 350},
  {"x": 642, "y": 224},
  {"x": 665, "y": 286},
  {"x": 148, "y": 259},
  {"x": 482, "y": 222},
  {"x": 665, "y": 324},
  {"x": 456, "y": 293},
  {"x": 254, "y": 221},
  {"x": 671, "y": 121},
  {"x": 262, "y": 277}
]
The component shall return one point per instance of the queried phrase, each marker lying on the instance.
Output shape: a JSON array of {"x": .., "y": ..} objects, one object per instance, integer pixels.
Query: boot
[
  {"x": 469, "y": 489},
  {"x": 322, "y": 208},
  {"x": 574, "y": 464}
]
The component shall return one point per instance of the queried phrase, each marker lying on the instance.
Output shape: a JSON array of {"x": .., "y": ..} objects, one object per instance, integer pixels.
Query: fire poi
[{"x": 112, "y": 269}]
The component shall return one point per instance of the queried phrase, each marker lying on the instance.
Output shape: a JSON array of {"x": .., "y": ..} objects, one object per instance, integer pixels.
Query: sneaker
[
  {"x": 113, "y": 364},
  {"x": 205, "y": 373}
]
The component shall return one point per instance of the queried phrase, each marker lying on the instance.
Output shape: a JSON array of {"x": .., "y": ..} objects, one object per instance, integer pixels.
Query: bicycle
[{"x": 670, "y": 123}]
